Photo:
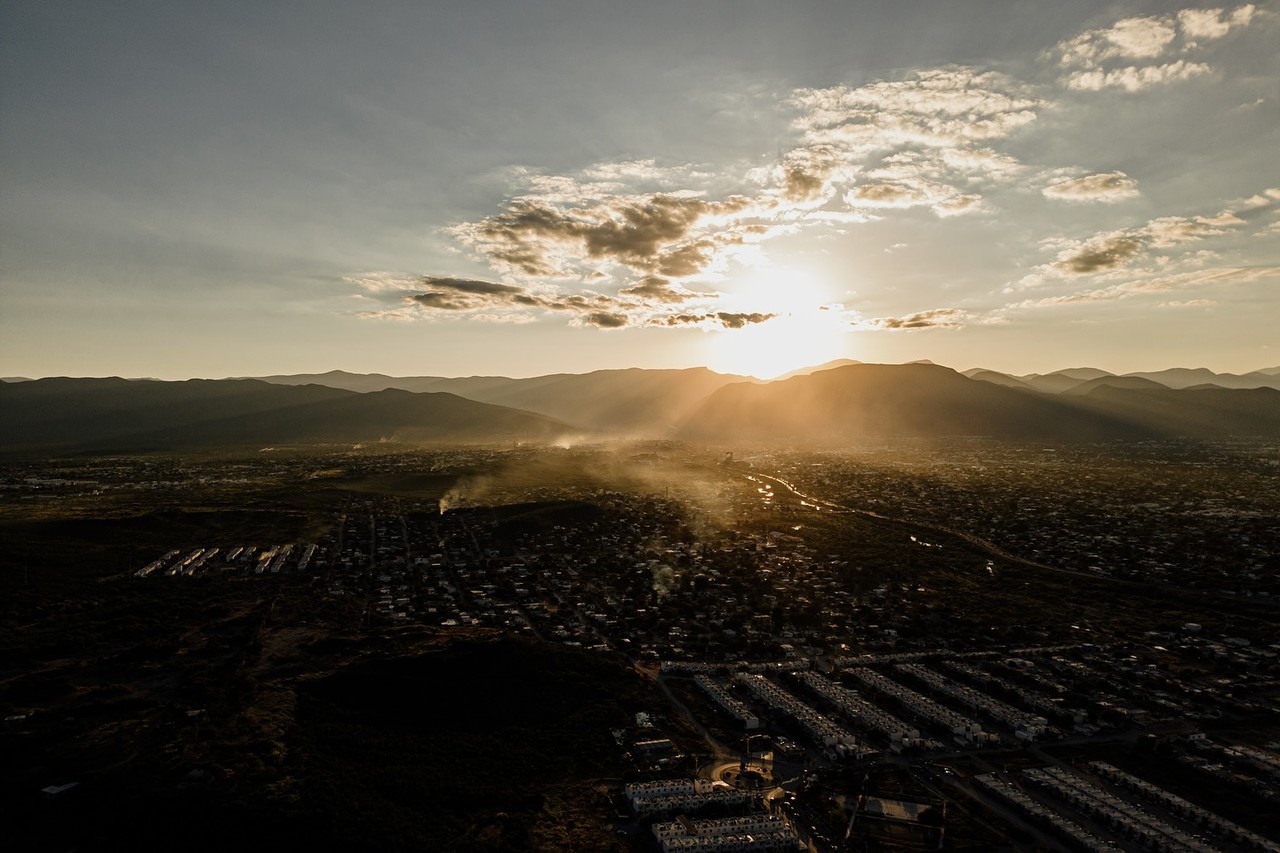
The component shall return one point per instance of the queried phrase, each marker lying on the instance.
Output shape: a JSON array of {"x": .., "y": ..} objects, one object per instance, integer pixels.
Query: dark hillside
[{"x": 876, "y": 400}]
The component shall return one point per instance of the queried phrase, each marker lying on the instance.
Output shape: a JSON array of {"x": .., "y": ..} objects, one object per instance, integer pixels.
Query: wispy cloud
[
  {"x": 937, "y": 318},
  {"x": 1109, "y": 187},
  {"x": 718, "y": 319},
  {"x": 1157, "y": 285},
  {"x": 1138, "y": 53},
  {"x": 1118, "y": 250},
  {"x": 641, "y": 243},
  {"x": 647, "y": 303}
]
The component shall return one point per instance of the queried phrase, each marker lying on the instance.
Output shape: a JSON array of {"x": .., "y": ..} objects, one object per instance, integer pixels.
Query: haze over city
[{"x": 498, "y": 188}]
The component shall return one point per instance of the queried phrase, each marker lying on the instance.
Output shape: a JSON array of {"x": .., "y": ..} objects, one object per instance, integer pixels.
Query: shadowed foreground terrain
[{"x": 437, "y": 743}]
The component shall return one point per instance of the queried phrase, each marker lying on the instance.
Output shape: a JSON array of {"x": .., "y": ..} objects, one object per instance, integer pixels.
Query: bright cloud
[
  {"x": 1109, "y": 187},
  {"x": 1134, "y": 54},
  {"x": 640, "y": 243},
  {"x": 936, "y": 318}
]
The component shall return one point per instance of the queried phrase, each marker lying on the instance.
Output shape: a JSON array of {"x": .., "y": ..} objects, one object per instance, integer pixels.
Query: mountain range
[
  {"x": 630, "y": 400},
  {"x": 1177, "y": 377},
  {"x": 125, "y": 414},
  {"x": 844, "y": 401}
]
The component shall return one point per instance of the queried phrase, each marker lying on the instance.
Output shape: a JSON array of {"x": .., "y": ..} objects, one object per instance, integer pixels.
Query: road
[{"x": 984, "y": 545}]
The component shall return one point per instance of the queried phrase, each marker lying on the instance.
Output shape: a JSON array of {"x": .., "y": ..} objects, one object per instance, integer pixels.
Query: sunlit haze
[{"x": 516, "y": 189}]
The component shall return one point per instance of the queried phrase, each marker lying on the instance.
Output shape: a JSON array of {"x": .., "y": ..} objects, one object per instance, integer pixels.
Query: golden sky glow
[{"x": 517, "y": 189}]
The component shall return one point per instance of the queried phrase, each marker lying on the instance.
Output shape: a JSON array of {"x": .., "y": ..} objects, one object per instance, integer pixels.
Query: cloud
[
  {"x": 958, "y": 204},
  {"x": 1134, "y": 78},
  {"x": 919, "y": 140},
  {"x": 1209, "y": 24},
  {"x": 651, "y": 301},
  {"x": 937, "y": 318},
  {"x": 657, "y": 289},
  {"x": 658, "y": 232},
  {"x": 1109, "y": 187},
  {"x": 638, "y": 232},
  {"x": 1189, "y": 303},
  {"x": 718, "y": 319},
  {"x": 800, "y": 184},
  {"x": 426, "y": 296},
  {"x": 887, "y": 195},
  {"x": 1157, "y": 284},
  {"x": 944, "y": 200},
  {"x": 1100, "y": 254},
  {"x": 605, "y": 320},
  {"x": 1169, "y": 231},
  {"x": 1130, "y": 38},
  {"x": 937, "y": 107},
  {"x": 458, "y": 294},
  {"x": 1114, "y": 251},
  {"x": 1138, "y": 53}
]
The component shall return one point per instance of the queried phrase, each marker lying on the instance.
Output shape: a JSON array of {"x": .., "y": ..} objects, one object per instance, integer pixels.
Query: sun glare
[
  {"x": 769, "y": 349},
  {"x": 802, "y": 334}
]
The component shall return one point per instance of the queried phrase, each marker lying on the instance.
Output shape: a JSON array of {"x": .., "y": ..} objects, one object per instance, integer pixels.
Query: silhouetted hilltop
[
  {"x": 882, "y": 400},
  {"x": 136, "y": 414},
  {"x": 1063, "y": 381},
  {"x": 995, "y": 377},
  {"x": 1186, "y": 377},
  {"x": 1127, "y": 383},
  {"x": 1200, "y": 413},
  {"x": 827, "y": 365},
  {"x": 841, "y": 403},
  {"x": 628, "y": 400},
  {"x": 876, "y": 401}
]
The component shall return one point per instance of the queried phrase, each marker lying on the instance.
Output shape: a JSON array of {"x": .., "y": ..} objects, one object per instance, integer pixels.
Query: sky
[{"x": 520, "y": 188}]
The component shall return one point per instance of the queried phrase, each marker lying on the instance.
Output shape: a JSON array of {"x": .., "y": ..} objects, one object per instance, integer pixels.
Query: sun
[
  {"x": 766, "y": 350},
  {"x": 805, "y": 330}
]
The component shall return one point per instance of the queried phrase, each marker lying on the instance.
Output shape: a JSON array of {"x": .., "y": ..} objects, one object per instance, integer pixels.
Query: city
[{"x": 817, "y": 674}]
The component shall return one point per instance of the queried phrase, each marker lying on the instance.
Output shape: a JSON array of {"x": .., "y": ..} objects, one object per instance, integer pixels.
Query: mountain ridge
[
  {"x": 113, "y": 413},
  {"x": 847, "y": 402}
]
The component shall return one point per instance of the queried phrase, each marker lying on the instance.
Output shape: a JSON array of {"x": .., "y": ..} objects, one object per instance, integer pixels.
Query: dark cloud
[
  {"x": 737, "y": 321},
  {"x": 724, "y": 319},
  {"x": 606, "y": 320},
  {"x": 463, "y": 294},
  {"x": 468, "y": 285},
  {"x": 687, "y": 260},
  {"x": 803, "y": 185},
  {"x": 657, "y": 289},
  {"x": 1106, "y": 254},
  {"x": 441, "y": 300},
  {"x": 937, "y": 318},
  {"x": 593, "y": 309},
  {"x": 647, "y": 233}
]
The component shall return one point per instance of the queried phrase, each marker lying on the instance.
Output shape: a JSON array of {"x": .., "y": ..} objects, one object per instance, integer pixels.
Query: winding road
[{"x": 978, "y": 542}]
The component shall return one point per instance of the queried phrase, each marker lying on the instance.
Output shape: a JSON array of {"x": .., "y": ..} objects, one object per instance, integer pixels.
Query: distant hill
[
  {"x": 633, "y": 400},
  {"x": 1201, "y": 413},
  {"x": 142, "y": 414},
  {"x": 841, "y": 403},
  {"x": 805, "y": 371},
  {"x": 1051, "y": 383},
  {"x": 1080, "y": 373},
  {"x": 1184, "y": 377},
  {"x": 877, "y": 401},
  {"x": 996, "y": 378},
  {"x": 881, "y": 400},
  {"x": 1073, "y": 379},
  {"x": 361, "y": 382},
  {"x": 1130, "y": 383}
]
